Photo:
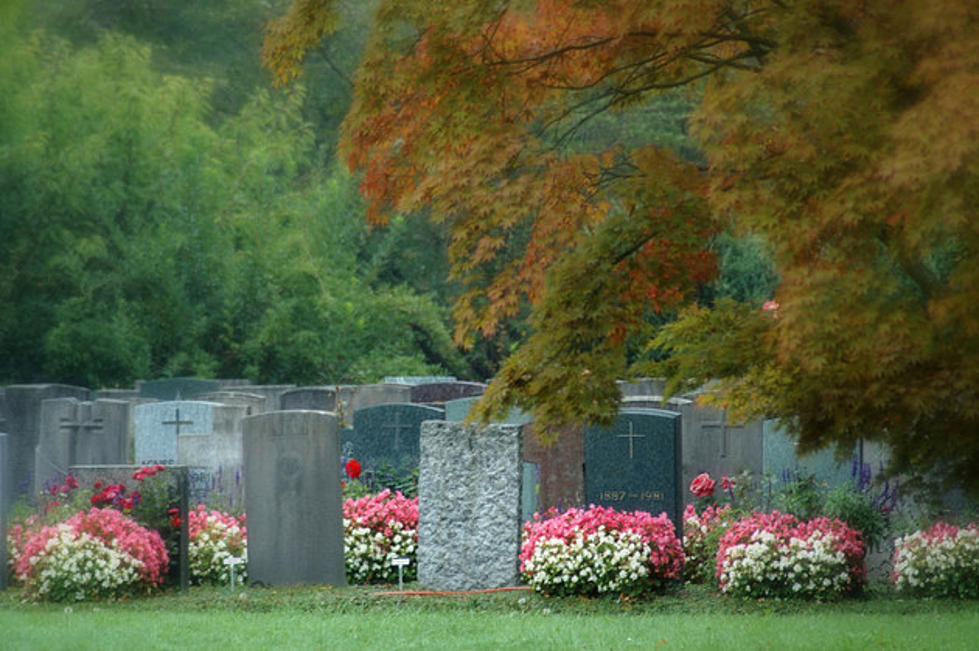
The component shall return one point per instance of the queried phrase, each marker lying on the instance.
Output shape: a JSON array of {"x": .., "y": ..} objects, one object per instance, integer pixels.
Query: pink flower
[
  {"x": 702, "y": 485},
  {"x": 726, "y": 483},
  {"x": 770, "y": 306}
]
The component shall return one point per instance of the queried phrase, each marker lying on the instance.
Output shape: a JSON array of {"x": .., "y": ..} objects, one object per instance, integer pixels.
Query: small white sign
[
  {"x": 400, "y": 561},
  {"x": 234, "y": 560}
]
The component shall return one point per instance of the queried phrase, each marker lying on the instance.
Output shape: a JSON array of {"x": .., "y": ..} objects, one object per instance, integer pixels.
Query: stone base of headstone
[{"x": 469, "y": 510}]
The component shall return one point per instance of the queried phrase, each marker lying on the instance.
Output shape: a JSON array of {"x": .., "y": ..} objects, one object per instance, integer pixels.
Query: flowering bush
[
  {"x": 701, "y": 537},
  {"x": 377, "y": 529},
  {"x": 942, "y": 561},
  {"x": 98, "y": 554},
  {"x": 775, "y": 555},
  {"x": 214, "y": 537},
  {"x": 599, "y": 550}
]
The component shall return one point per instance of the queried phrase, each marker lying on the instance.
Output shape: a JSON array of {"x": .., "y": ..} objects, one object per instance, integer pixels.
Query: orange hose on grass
[{"x": 450, "y": 593}]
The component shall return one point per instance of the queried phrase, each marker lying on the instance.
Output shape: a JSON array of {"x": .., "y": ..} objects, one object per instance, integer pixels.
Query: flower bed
[
  {"x": 701, "y": 537},
  {"x": 598, "y": 551},
  {"x": 942, "y": 561},
  {"x": 377, "y": 529},
  {"x": 775, "y": 555},
  {"x": 96, "y": 554},
  {"x": 215, "y": 537}
]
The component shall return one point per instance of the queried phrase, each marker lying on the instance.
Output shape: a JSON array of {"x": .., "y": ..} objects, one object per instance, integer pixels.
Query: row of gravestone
[{"x": 69, "y": 432}]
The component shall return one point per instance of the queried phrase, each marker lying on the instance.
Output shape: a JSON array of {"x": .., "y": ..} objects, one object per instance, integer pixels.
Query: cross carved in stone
[
  {"x": 90, "y": 425},
  {"x": 177, "y": 422},
  {"x": 397, "y": 426},
  {"x": 631, "y": 436}
]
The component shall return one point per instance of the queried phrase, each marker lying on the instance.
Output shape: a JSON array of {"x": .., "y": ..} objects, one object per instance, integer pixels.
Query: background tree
[{"x": 836, "y": 131}]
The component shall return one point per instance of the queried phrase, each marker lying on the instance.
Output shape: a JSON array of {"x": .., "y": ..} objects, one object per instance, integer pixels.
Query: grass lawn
[{"x": 690, "y": 617}]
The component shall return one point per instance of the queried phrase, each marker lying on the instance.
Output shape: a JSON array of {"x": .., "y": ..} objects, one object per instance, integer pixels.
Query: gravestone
[
  {"x": 642, "y": 387},
  {"x": 205, "y": 436},
  {"x": 272, "y": 393},
  {"x": 713, "y": 444},
  {"x": 3, "y": 512},
  {"x": 561, "y": 462},
  {"x": 635, "y": 464},
  {"x": 79, "y": 433},
  {"x": 418, "y": 379},
  {"x": 469, "y": 509},
  {"x": 309, "y": 398},
  {"x": 780, "y": 458},
  {"x": 457, "y": 410},
  {"x": 129, "y": 395},
  {"x": 442, "y": 392},
  {"x": 372, "y": 395},
  {"x": 295, "y": 526},
  {"x": 385, "y": 438},
  {"x": 252, "y": 402},
  {"x": 23, "y": 416},
  {"x": 176, "y": 388}
]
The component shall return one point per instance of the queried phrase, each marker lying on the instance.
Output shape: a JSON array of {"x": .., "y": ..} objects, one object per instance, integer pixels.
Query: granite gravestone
[
  {"x": 309, "y": 398},
  {"x": 635, "y": 464},
  {"x": 158, "y": 426},
  {"x": 79, "y": 433},
  {"x": 23, "y": 416},
  {"x": 469, "y": 506},
  {"x": 271, "y": 392},
  {"x": 177, "y": 388},
  {"x": 442, "y": 392},
  {"x": 292, "y": 497},
  {"x": 384, "y": 439},
  {"x": 716, "y": 446},
  {"x": 561, "y": 459}
]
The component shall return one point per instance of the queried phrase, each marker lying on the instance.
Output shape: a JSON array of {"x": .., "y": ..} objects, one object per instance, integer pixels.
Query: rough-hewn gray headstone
[
  {"x": 23, "y": 415},
  {"x": 309, "y": 398},
  {"x": 386, "y": 437},
  {"x": 441, "y": 392},
  {"x": 469, "y": 509},
  {"x": 635, "y": 464},
  {"x": 295, "y": 527},
  {"x": 177, "y": 388},
  {"x": 80, "y": 433}
]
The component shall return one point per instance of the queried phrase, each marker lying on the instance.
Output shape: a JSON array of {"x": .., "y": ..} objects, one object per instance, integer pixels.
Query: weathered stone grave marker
[
  {"x": 292, "y": 497},
  {"x": 635, "y": 463},
  {"x": 80, "y": 433},
  {"x": 469, "y": 506},
  {"x": 385, "y": 437}
]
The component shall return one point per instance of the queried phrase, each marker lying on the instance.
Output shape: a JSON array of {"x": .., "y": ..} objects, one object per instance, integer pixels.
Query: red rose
[
  {"x": 353, "y": 469},
  {"x": 71, "y": 482},
  {"x": 702, "y": 485}
]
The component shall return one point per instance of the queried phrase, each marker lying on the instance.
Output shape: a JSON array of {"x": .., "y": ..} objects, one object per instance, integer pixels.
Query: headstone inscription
[
  {"x": 469, "y": 506},
  {"x": 80, "y": 433},
  {"x": 23, "y": 411},
  {"x": 292, "y": 497},
  {"x": 385, "y": 438},
  {"x": 635, "y": 464},
  {"x": 176, "y": 388}
]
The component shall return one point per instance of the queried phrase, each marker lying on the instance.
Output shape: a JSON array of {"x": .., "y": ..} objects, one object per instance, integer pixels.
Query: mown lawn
[{"x": 308, "y": 618}]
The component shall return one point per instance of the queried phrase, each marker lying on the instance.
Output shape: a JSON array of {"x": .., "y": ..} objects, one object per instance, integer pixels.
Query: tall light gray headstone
[
  {"x": 295, "y": 526},
  {"x": 469, "y": 510},
  {"x": 80, "y": 433},
  {"x": 23, "y": 416}
]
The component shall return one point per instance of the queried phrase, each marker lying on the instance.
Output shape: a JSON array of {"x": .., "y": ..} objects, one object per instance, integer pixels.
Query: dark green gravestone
[
  {"x": 635, "y": 464},
  {"x": 387, "y": 436}
]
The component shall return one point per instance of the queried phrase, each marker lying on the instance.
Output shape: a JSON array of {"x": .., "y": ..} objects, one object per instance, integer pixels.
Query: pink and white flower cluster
[
  {"x": 776, "y": 555},
  {"x": 942, "y": 561},
  {"x": 214, "y": 537},
  {"x": 96, "y": 554},
  {"x": 701, "y": 535},
  {"x": 598, "y": 551},
  {"x": 377, "y": 529}
]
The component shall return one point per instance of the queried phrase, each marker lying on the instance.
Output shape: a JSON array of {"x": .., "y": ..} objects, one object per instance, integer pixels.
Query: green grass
[{"x": 318, "y": 618}]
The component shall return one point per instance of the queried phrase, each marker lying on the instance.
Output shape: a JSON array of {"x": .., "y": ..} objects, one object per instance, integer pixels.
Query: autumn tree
[{"x": 841, "y": 132}]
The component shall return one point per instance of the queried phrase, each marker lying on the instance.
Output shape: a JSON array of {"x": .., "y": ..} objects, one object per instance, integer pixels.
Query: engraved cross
[{"x": 631, "y": 436}]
